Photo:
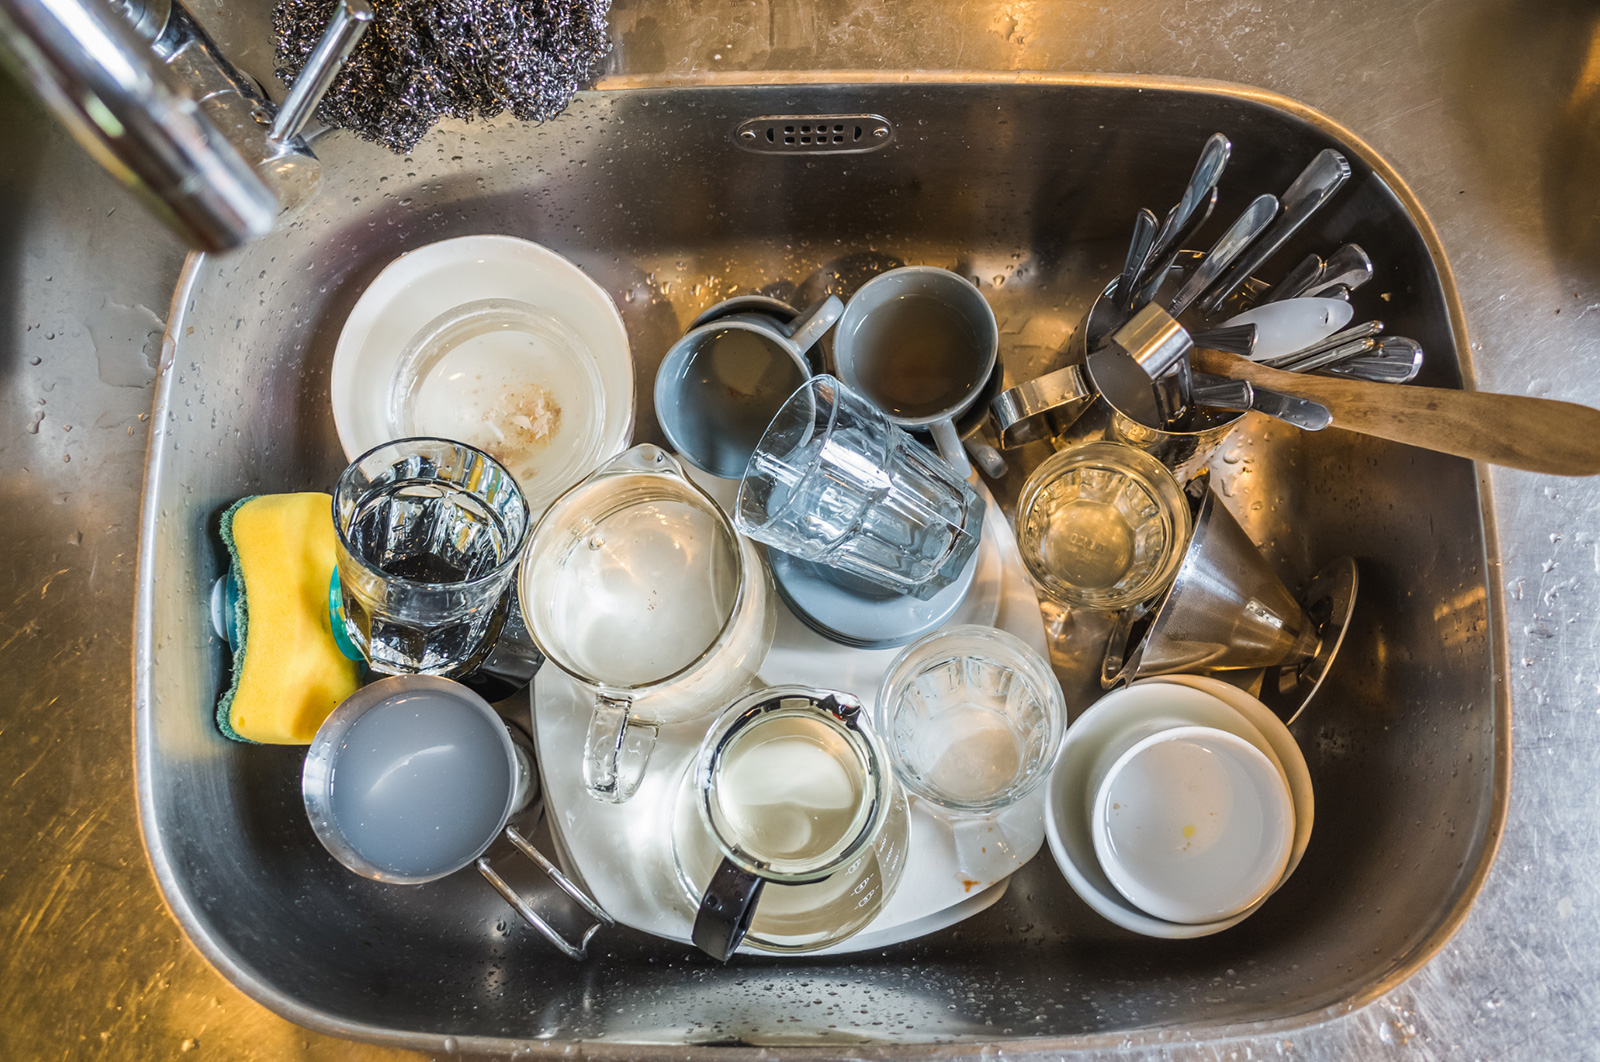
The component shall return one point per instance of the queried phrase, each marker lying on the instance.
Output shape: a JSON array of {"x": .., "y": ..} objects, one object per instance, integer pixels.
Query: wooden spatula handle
[{"x": 1535, "y": 434}]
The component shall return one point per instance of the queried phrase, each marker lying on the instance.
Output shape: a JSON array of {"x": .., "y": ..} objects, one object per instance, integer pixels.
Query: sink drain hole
[{"x": 789, "y": 134}]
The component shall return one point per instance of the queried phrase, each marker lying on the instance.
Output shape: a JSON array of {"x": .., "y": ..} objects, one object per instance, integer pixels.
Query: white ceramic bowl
[
  {"x": 1277, "y": 734},
  {"x": 1193, "y": 824},
  {"x": 421, "y": 285},
  {"x": 1125, "y": 718}
]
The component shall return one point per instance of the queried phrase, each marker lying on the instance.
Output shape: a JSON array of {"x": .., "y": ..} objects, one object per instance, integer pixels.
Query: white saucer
[
  {"x": 1283, "y": 743},
  {"x": 420, "y": 285},
  {"x": 1067, "y": 808}
]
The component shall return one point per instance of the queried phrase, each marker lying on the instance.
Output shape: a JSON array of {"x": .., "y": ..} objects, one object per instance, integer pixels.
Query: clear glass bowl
[
  {"x": 512, "y": 380},
  {"x": 1102, "y": 525}
]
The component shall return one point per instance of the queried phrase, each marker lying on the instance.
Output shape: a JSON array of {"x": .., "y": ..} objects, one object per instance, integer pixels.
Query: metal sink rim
[{"x": 263, "y": 992}]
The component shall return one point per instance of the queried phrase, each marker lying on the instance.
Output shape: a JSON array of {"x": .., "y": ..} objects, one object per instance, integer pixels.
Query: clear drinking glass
[
  {"x": 429, "y": 534},
  {"x": 973, "y": 719},
  {"x": 1102, "y": 525},
  {"x": 834, "y": 482}
]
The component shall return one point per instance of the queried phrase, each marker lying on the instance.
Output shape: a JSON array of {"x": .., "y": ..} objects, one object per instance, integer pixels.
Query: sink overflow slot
[{"x": 790, "y": 134}]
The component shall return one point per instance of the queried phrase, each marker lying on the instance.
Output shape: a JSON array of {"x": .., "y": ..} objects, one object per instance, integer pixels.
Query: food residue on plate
[{"x": 521, "y": 421}]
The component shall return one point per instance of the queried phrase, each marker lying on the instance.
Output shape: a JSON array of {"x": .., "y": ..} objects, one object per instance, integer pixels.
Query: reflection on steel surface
[{"x": 670, "y": 217}]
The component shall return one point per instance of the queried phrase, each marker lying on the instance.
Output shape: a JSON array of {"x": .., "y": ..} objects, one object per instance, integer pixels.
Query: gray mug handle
[
  {"x": 814, "y": 324},
  {"x": 987, "y": 457},
  {"x": 950, "y": 447}
]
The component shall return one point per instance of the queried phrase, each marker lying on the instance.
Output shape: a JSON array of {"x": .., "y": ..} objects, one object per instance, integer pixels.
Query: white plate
[
  {"x": 622, "y": 852},
  {"x": 1067, "y": 807},
  {"x": 422, "y": 284}
]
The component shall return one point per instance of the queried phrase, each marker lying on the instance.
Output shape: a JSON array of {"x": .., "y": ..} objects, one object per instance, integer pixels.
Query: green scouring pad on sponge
[{"x": 288, "y": 670}]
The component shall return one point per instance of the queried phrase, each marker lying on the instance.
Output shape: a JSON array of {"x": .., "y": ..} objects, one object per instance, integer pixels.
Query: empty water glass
[
  {"x": 973, "y": 719},
  {"x": 429, "y": 534},
  {"x": 834, "y": 482}
]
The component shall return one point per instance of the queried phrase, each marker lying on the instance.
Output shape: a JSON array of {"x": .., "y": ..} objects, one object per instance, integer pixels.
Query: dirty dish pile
[{"x": 841, "y": 772}]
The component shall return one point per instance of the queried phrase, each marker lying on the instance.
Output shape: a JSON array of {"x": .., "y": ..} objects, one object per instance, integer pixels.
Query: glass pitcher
[
  {"x": 791, "y": 831},
  {"x": 637, "y": 585}
]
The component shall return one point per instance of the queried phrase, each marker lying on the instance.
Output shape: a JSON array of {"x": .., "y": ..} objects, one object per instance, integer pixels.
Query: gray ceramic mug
[
  {"x": 721, "y": 384},
  {"x": 919, "y": 342}
]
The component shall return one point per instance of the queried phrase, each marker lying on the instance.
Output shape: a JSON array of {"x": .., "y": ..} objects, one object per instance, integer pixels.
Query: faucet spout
[
  {"x": 146, "y": 91},
  {"x": 91, "y": 67}
]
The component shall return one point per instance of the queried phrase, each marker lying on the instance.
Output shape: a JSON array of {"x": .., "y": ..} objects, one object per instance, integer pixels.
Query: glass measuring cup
[
  {"x": 636, "y": 584},
  {"x": 791, "y": 830}
]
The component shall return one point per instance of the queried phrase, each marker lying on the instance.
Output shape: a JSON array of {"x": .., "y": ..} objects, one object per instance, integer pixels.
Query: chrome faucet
[{"x": 146, "y": 91}]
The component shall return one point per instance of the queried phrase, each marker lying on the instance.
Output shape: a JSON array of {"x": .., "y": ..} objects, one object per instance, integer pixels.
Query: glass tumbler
[
  {"x": 834, "y": 482},
  {"x": 1102, "y": 525},
  {"x": 973, "y": 719},
  {"x": 429, "y": 534}
]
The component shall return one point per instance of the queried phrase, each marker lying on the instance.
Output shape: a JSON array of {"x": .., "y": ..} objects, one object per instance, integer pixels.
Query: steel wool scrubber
[{"x": 423, "y": 61}]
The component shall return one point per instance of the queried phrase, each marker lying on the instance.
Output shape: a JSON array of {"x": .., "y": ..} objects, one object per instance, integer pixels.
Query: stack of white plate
[{"x": 1178, "y": 806}]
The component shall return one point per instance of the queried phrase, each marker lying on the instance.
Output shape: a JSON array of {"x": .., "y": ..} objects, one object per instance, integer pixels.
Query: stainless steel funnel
[{"x": 1228, "y": 610}]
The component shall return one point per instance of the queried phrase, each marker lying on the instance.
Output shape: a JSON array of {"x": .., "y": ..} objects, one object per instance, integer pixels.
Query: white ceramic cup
[{"x": 1193, "y": 824}]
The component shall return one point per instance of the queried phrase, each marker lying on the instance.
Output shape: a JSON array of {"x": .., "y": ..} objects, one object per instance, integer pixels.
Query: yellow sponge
[{"x": 288, "y": 672}]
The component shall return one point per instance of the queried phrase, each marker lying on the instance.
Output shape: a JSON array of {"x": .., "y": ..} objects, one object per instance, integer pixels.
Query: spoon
[
  {"x": 1317, "y": 182},
  {"x": 1331, "y": 356},
  {"x": 1293, "y": 324},
  {"x": 1308, "y": 272},
  {"x": 1246, "y": 227},
  {"x": 1397, "y": 360},
  {"x": 1534, "y": 434},
  {"x": 1207, "y": 171},
  {"x": 1292, "y": 361},
  {"x": 1139, "y": 247},
  {"x": 1157, "y": 273},
  {"x": 1348, "y": 268}
]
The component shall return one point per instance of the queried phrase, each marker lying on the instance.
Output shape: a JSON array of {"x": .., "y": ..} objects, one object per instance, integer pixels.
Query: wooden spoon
[{"x": 1535, "y": 434}]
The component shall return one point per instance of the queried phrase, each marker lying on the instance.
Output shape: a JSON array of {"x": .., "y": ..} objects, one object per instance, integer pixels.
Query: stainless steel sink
[{"x": 1027, "y": 185}]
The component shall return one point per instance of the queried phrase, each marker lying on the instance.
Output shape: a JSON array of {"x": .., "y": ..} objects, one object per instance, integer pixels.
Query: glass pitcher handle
[
  {"x": 615, "y": 750},
  {"x": 726, "y": 910}
]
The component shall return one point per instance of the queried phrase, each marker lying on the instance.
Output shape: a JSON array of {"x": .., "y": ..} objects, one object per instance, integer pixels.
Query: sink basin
[{"x": 1027, "y": 185}]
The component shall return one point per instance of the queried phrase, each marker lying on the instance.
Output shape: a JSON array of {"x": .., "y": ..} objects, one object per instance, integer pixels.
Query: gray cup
[
  {"x": 919, "y": 342},
  {"x": 721, "y": 384}
]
